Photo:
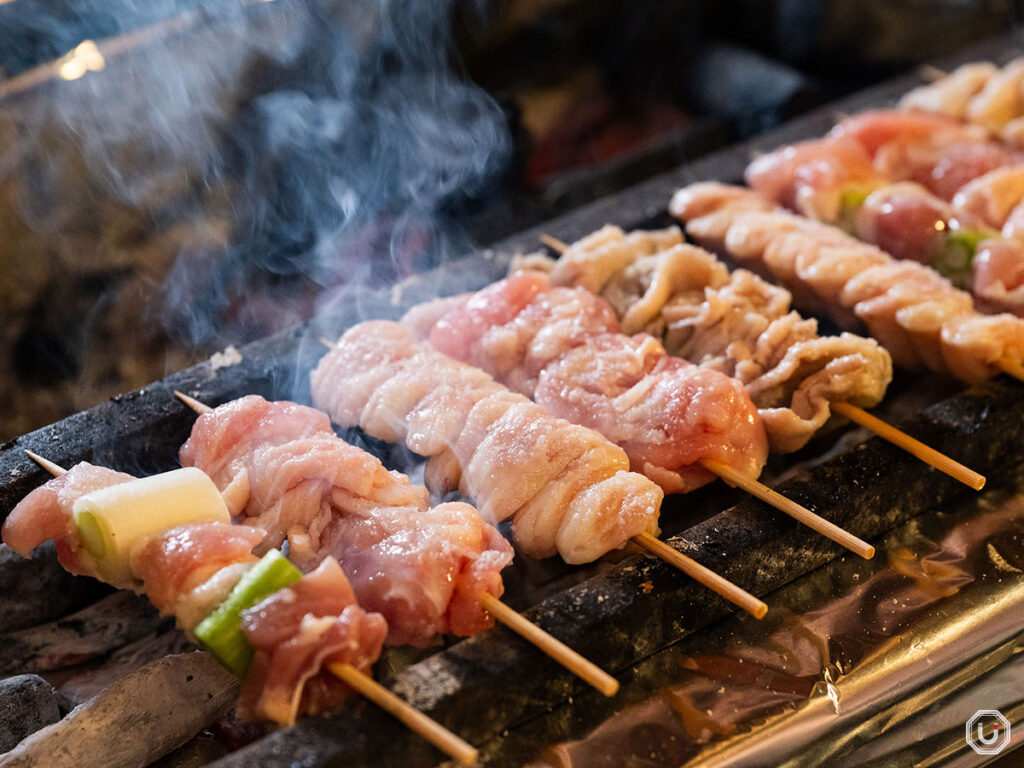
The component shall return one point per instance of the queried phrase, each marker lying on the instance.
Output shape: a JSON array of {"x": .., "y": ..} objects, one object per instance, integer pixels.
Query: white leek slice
[{"x": 112, "y": 520}]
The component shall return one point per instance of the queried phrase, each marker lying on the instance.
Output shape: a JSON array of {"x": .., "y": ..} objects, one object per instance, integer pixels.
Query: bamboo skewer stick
[
  {"x": 554, "y": 648},
  {"x": 412, "y": 718},
  {"x": 884, "y": 430},
  {"x": 580, "y": 666},
  {"x": 703, "y": 575},
  {"x": 774, "y": 498},
  {"x": 931, "y": 73},
  {"x": 1013, "y": 368},
  {"x": 911, "y": 445},
  {"x": 431, "y": 730}
]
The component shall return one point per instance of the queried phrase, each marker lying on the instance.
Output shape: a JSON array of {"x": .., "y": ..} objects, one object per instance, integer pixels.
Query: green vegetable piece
[
  {"x": 221, "y": 632},
  {"x": 850, "y": 202},
  {"x": 956, "y": 258}
]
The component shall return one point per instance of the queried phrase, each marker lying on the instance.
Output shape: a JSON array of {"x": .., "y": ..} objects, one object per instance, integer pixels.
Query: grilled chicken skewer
[
  {"x": 920, "y": 187},
  {"x": 979, "y": 93},
  {"x": 395, "y": 592},
  {"x": 183, "y": 551},
  {"x": 682, "y": 294},
  {"x": 916, "y": 314},
  {"x": 681, "y": 425},
  {"x": 566, "y": 489}
]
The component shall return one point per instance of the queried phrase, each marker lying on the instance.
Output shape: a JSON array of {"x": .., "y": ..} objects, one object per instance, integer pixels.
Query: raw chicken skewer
[
  {"x": 632, "y": 500},
  {"x": 554, "y": 648},
  {"x": 919, "y": 186},
  {"x": 378, "y": 376},
  {"x": 915, "y": 313},
  {"x": 432, "y": 731},
  {"x": 979, "y": 93},
  {"x": 561, "y": 347},
  {"x": 856, "y": 414}
]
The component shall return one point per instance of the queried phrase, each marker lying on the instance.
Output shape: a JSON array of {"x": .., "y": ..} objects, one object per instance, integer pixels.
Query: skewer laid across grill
[
  {"x": 915, "y": 447},
  {"x": 461, "y": 751},
  {"x": 551, "y": 646}
]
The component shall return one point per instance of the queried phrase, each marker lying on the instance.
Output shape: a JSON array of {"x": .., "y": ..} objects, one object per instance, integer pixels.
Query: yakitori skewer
[
  {"x": 886, "y": 431},
  {"x": 690, "y": 567},
  {"x": 455, "y": 747},
  {"x": 555, "y": 313},
  {"x": 551, "y": 646}
]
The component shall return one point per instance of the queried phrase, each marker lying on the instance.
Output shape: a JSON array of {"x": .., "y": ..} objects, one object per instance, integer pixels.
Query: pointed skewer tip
[
  {"x": 196, "y": 405},
  {"x": 54, "y": 469},
  {"x": 556, "y": 245}
]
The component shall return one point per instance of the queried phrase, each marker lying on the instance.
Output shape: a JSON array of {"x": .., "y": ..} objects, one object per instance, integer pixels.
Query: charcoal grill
[{"x": 494, "y": 689}]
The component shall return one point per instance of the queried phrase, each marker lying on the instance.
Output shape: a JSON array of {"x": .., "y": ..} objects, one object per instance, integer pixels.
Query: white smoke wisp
[{"x": 280, "y": 154}]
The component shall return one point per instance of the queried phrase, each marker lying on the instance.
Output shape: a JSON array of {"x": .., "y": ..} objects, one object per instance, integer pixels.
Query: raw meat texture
[
  {"x": 448, "y": 552},
  {"x": 423, "y": 568},
  {"x": 296, "y": 634},
  {"x": 735, "y": 323},
  {"x": 916, "y": 314},
  {"x": 187, "y": 571},
  {"x": 999, "y": 275},
  {"x": 45, "y": 514},
  {"x": 281, "y": 467},
  {"x": 943, "y": 164},
  {"x": 951, "y": 95},
  {"x": 516, "y": 327},
  {"x": 992, "y": 197},
  {"x": 173, "y": 564},
  {"x": 906, "y": 220},
  {"x": 875, "y": 129},
  {"x": 511, "y": 452},
  {"x": 665, "y": 415},
  {"x": 811, "y": 176},
  {"x": 1001, "y": 99}
]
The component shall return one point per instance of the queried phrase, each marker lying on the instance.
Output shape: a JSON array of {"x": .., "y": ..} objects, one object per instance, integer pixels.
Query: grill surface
[{"x": 487, "y": 684}]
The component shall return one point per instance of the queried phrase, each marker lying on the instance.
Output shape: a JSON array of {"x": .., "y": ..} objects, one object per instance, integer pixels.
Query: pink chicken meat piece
[
  {"x": 285, "y": 470},
  {"x": 563, "y": 349},
  {"x": 188, "y": 570},
  {"x": 565, "y": 488},
  {"x": 46, "y": 514},
  {"x": 297, "y": 633}
]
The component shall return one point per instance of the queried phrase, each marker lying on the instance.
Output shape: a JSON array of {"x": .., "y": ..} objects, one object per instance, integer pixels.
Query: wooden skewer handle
[
  {"x": 556, "y": 649},
  {"x": 912, "y": 445},
  {"x": 705, "y": 576},
  {"x": 431, "y": 730},
  {"x": 790, "y": 507}
]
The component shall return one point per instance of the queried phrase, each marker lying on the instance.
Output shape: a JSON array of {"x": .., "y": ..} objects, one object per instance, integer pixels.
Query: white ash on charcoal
[
  {"x": 82, "y": 682},
  {"x": 135, "y": 721},
  {"x": 93, "y": 631},
  {"x": 38, "y": 589},
  {"x": 27, "y": 703}
]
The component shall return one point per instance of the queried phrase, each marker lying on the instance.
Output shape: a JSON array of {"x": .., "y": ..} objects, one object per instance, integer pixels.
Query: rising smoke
[{"x": 323, "y": 142}]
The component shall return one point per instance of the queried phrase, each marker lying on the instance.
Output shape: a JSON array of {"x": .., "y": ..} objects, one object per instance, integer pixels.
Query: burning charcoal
[
  {"x": 110, "y": 623},
  {"x": 27, "y": 703},
  {"x": 136, "y": 720},
  {"x": 90, "y": 679},
  {"x": 200, "y": 751},
  {"x": 38, "y": 589}
]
